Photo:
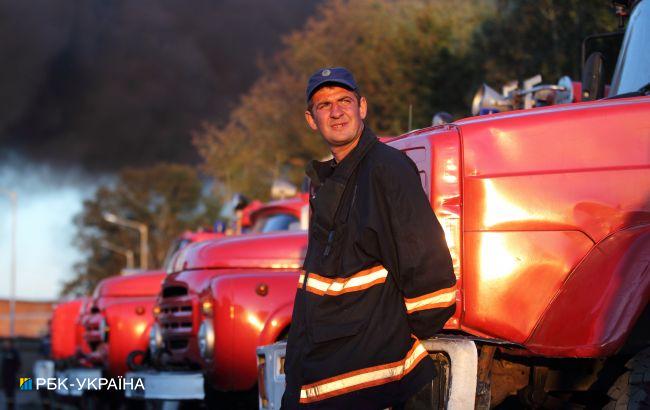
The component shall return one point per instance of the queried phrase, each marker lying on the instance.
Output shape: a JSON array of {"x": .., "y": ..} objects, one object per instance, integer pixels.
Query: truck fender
[
  {"x": 276, "y": 324},
  {"x": 596, "y": 308}
]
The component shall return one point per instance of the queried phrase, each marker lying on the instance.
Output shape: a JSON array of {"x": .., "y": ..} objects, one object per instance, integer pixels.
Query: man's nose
[{"x": 336, "y": 111}]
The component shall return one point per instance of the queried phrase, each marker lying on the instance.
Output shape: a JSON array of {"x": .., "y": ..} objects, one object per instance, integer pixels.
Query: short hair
[{"x": 310, "y": 103}]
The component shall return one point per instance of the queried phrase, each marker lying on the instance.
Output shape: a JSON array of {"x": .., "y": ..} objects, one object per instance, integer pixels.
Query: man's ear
[
  {"x": 310, "y": 120},
  {"x": 363, "y": 108}
]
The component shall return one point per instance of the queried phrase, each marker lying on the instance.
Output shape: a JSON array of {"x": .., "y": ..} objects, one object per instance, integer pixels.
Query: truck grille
[
  {"x": 92, "y": 332},
  {"x": 172, "y": 291},
  {"x": 177, "y": 320}
]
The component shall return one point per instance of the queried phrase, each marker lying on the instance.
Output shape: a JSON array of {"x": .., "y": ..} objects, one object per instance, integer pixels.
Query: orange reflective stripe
[
  {"x": 301, "y": 279},
  {"x": 438, "y": 299},
  {"x": 364, "y": 279},
  {"x": 363, "y": 378}
]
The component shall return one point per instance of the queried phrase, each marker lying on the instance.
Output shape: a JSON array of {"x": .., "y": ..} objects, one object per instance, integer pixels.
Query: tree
[
  {"x": 418, "y": 56},
  {"x": 168, "y": 198},
  {"x": 527, "y": 37},
  {"x": 411, "y": 53}
]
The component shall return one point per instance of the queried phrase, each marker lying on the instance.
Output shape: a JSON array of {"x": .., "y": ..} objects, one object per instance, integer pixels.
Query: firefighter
[{"x": 378, "y": 275}]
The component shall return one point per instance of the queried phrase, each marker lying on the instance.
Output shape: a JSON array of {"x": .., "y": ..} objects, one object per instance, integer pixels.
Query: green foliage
[
  {"x": 168, "y": 198},
  {"x": 527, "y": 37}
]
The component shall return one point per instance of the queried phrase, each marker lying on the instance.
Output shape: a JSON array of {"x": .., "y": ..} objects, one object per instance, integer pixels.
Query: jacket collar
[
  {"x": 318, "y": 171},
  {"x": 330, "y": 185}
]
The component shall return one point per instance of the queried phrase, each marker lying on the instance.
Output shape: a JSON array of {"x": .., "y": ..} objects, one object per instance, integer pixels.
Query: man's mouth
[{"x": 339, "y": 125}]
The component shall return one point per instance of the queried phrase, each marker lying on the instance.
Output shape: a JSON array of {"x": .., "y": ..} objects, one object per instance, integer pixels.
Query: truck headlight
[
  {"x": 155, "y": 339},
  {"x": 206, "y": 339}
]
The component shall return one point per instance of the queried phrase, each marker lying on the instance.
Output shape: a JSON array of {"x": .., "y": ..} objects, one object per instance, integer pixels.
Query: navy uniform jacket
[{"x": 377, "y": 278}]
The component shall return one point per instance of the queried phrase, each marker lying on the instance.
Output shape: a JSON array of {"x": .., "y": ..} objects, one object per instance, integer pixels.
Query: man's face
[{"x": 337, "y": 115}]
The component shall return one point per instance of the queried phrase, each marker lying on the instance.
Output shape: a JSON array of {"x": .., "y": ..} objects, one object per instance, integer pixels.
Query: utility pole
[
  {"x": 13, "y": 198},
  {"x": 127, "y": 253},
  {"x": 140, "y": 227}
]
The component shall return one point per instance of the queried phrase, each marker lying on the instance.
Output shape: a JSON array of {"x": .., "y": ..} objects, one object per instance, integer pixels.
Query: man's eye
[
  {"x": 323, "y": 106},
  {"x": 346, "y": 101}
]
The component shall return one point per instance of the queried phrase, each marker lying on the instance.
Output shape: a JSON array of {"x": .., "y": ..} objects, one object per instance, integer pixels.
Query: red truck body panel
[
  {"x": 199, "y": 236},
  {"x": 252, "y": 320},
  {"x": 273, "y": 250},
  {"x": 66, "y": 329},
  {"x": 139, "y": 284},
  {"x": 555, "y": 218},
  {"x": 601, "y": 300},
  {"x": 256, "y": 211},
  {"x": 292, "y": 205}
]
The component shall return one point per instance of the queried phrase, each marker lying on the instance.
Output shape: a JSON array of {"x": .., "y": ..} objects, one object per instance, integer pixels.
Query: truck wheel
[{"x": 631, "y": 390}]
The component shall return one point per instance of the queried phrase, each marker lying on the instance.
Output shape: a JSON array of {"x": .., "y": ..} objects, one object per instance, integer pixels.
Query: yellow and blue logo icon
[{"x": 26, "y": 383}]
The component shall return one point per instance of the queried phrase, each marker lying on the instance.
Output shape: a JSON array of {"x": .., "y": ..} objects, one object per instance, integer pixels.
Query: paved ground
[
  {"x": 25, "y": 400},
  {"x": 30, "y": 400}
]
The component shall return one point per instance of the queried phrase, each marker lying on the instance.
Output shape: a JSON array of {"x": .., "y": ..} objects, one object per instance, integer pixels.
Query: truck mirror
[{"x": 593, "y": 86}]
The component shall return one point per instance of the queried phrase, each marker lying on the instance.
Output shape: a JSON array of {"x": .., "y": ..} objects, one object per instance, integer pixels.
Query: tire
[{"x": 631, "y": 391}]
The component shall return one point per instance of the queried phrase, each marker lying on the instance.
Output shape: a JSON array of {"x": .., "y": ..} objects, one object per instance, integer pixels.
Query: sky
[
  {"x": 95, "y": 86},
  {"x": 48, "y": 199}
]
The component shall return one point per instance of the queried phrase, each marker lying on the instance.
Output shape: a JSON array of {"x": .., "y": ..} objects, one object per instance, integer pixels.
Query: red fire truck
[
  {"x": 546, "y": 212},
  {"x": 120, "y": 312},
  {"x": 221, "y": 300},
  {"x": 119, "y": 320},
  {"x": 111, "y": 327}
]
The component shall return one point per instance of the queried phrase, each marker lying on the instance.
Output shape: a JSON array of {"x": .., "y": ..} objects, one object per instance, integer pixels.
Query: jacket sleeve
[{"x": 414, "y": 248}]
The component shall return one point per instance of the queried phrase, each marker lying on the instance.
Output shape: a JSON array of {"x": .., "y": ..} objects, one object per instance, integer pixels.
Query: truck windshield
[
  {"x": 175, "y": 246},
  {"x": 273, "y": 223},
  {"x": 633, "y": 66}
]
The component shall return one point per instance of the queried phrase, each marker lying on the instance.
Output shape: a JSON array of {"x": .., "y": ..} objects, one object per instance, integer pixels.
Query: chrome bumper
[
  {"x": 166, "y": 386},
  {"x": 73, "y": 388},
  {"x": 270, "y": 370},
  {"x": 463, "y": 358}
]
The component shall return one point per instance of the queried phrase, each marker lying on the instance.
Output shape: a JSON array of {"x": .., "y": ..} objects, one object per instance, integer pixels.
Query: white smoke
[{"x": 48, "y": 198}]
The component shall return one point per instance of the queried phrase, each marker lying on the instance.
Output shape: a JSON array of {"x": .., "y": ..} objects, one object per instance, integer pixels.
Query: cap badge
[{"x": 326, "y": 73}]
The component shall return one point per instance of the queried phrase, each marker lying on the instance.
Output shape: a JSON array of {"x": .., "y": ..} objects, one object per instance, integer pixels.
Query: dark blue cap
[{"x": 334, "y": 75}]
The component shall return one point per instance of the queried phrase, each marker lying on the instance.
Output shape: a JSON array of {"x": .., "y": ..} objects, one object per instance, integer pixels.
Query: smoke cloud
[{"x": 104, "y": 84}]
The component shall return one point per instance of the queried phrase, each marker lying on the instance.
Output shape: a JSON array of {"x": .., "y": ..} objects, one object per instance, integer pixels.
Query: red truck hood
[
  {"x": 270, "y": 250},
  {"x": 145, "y": 283}
]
